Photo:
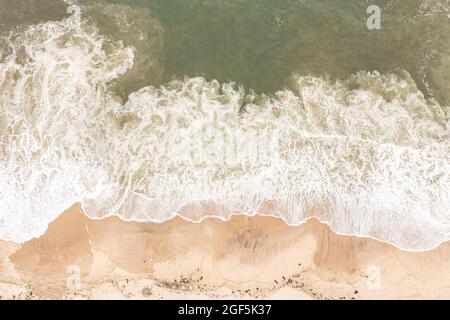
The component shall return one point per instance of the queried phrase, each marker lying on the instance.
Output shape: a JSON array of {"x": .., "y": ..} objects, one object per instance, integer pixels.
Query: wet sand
[{"x": 246, "y": 257}]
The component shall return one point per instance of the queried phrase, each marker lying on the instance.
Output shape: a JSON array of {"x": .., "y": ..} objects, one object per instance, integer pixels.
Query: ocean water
[{"x": 198, "y": 108}]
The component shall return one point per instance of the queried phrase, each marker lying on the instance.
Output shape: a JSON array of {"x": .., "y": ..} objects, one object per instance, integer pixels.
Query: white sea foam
[{"x": 369, "y": 155}]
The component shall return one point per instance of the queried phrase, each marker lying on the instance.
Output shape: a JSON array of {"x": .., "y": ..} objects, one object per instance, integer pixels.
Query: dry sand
[{"x": 246, "y": 257}]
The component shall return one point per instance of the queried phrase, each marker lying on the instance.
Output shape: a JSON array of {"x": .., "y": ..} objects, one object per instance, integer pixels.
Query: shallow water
[
  {"x": 157, "y": 108},
  {"x": 259, "y": 44}
]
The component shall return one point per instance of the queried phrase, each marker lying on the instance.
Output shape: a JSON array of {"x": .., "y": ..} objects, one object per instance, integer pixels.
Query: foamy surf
[{"x": 369, "y": 155}]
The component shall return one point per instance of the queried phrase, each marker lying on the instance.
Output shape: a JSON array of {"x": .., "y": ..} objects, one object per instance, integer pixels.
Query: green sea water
[{"x": 260, "y": 44}]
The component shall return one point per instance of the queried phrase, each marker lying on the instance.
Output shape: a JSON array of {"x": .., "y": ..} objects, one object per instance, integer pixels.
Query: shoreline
[
  {"x": 245, "y": 257},
  {"x": 207, "y": 216}
]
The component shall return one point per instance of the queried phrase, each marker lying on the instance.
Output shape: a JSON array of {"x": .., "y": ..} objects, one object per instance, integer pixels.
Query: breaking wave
[{"x": 368, "y": 155}]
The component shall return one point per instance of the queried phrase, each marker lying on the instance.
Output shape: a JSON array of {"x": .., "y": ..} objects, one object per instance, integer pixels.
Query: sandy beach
[{"x": 246, "y": 257}]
